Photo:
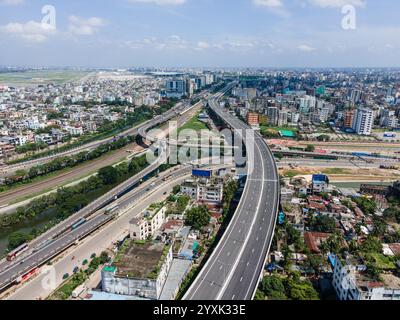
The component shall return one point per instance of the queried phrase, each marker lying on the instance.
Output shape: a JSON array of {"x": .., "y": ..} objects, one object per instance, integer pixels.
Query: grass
[
  {"x": 294, "y": 173},
  {"x": 381, "y": 261},
  {"x": 50, "y": 175},
  {"x": 40, "y": 77},
  {"x": 66, "y": 289},
  {"x": 194, "y": 124},
  {"x": 336, "y": 171}
]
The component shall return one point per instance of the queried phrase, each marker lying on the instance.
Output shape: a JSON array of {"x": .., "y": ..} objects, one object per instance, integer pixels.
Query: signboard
[{"x": 202, "y": 173}]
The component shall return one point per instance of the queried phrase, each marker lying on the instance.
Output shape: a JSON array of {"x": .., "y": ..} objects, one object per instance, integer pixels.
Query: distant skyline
[{"x": 200, "y": 33}]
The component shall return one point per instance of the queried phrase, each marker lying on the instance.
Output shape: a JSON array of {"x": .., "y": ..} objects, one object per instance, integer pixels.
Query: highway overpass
[
  {"x": 234, "y": 269},
  {"x": 56, "y": 240}
]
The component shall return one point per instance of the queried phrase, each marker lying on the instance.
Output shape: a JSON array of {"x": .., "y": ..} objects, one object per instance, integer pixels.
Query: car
[
  {"x": 76, "y": 269},
  {"x": 165, "y": 193},
  {"x": 65, "y": 276}
]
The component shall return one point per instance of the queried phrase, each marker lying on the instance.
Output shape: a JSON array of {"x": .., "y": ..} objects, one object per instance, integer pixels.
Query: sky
[{"x": 200, "y": 33}]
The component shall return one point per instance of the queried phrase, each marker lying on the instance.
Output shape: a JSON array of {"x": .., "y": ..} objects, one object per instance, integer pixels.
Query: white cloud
[
  {"x": 305, "y": 48},
  {"x": 269, "y": 3},
  {"x": 275, "y": 6},
  {"x": 160, "y": 2},
  {"x": 31, "y": 31},
  {"x": 203, "y": 45},
  {"x": 85, "y": 26},
  {"x": 11, "y": 2},
  {"x": 337, "y": 3}
]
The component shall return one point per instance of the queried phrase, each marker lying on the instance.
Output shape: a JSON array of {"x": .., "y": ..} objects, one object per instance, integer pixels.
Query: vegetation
[
  {"x": 65, "y": 291},
  {"x": 229, "y": 192},
  {"x": 292, "y": 287},
  {"x": 24, "y": 177},
  {"x": 368, "y": 206},
  {"x": 194, "y": 124},
  {"x": 310, "y": 148},
  {"x": 392, "y": 213},
  {"x": 198, "y": 217},
  {"x": 67, "y": 201},
  {"x": 324, "y": 138},
  {"x": 322, "y": 223}
]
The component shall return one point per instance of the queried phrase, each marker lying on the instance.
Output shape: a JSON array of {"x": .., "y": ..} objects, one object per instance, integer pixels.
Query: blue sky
[{"x": 200, "y": 33}]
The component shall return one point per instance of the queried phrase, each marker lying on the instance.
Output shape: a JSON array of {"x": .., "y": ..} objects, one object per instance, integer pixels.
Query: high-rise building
[
  {"x": 307, "y": 104},
  {"x": 355, "y": 96},
  {"x": 349, "y": 119},
  {"x": 282, "y": 118},
  {"x": 176, "y": 88},
  {"x": 252, "y": 119},
  {"x": 363, "y": 121},
  {"x": 273, "y": 115}
]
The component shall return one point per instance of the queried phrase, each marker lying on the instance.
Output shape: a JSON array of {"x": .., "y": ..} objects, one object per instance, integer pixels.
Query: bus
[
  {"x": 18, "y": 251},
  {"x": 78, "y": 223},
  {"x": 111, "y": 209}
]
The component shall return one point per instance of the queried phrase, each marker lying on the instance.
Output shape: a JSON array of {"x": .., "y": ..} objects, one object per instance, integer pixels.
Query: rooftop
[{"x": 139, "y": 260}]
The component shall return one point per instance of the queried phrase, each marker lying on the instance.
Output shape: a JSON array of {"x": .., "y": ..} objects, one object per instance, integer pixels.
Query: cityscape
[{"x": 249, "y": 178}]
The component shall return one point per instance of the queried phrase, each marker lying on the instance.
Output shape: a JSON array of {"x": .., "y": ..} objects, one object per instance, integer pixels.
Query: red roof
[
  {"x": 316, "y": 205},
  {"x": 314, "y": 239},
  {"x": 395, "y": 247}
]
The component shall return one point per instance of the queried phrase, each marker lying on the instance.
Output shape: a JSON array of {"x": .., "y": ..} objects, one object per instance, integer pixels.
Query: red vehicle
[{"x": 15, "y": 253}]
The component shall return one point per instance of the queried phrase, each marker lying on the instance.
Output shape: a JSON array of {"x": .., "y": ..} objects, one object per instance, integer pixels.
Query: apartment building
[{"x": 146, "y": 224}]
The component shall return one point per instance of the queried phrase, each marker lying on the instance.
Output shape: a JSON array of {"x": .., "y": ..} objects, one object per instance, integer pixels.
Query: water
[{"x": 26, "y": 226}]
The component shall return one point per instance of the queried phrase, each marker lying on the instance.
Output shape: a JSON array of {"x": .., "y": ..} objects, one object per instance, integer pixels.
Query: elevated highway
[{"x": 234, "y": 269}]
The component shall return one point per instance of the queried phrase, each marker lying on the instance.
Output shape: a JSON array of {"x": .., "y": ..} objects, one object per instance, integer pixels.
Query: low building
[
  {"x": 320, "y": 183},
  {"x": 287, "y": 195},
  {"x": 373, "y": 189},
  {"x": 44, "y": 138},
  {"x": 206, "y": 191},
  {"x": 138, "y": 270},
  {"x": 147, "y": 223},
  {"x": 351, "y": 283},
  {"x": 313, "y": 240}
]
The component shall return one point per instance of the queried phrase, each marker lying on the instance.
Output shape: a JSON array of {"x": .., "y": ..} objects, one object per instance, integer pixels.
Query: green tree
[
  {"x": 176, "y": 189},
  {"x": 323, "y": 224},
  {"x": 310, "y": 148},
  {"x": 198, "y": 217},
  {"x": 314, "y": 262},
  {"x": 271, "y": 284},
  {"x": 371, "y": 245},
  {"x": 16, "y": 239},
  {"x": 109, "y": 175},
  {"x": 368, "y": 206},
  {"x": 298, "y": 289}
]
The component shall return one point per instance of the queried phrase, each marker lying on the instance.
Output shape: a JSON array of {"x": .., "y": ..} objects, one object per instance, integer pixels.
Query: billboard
[{"x": 202, "y": 173}]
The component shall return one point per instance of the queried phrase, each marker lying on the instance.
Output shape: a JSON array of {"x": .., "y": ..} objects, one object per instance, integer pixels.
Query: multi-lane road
[
  {"x": 37, "y": 258},
  {"x": 41, "y": 250},
  {"x": 234, "y": 269},
  {"x": 9, "y": 170},
  {"x": 40, "y": 287}
]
